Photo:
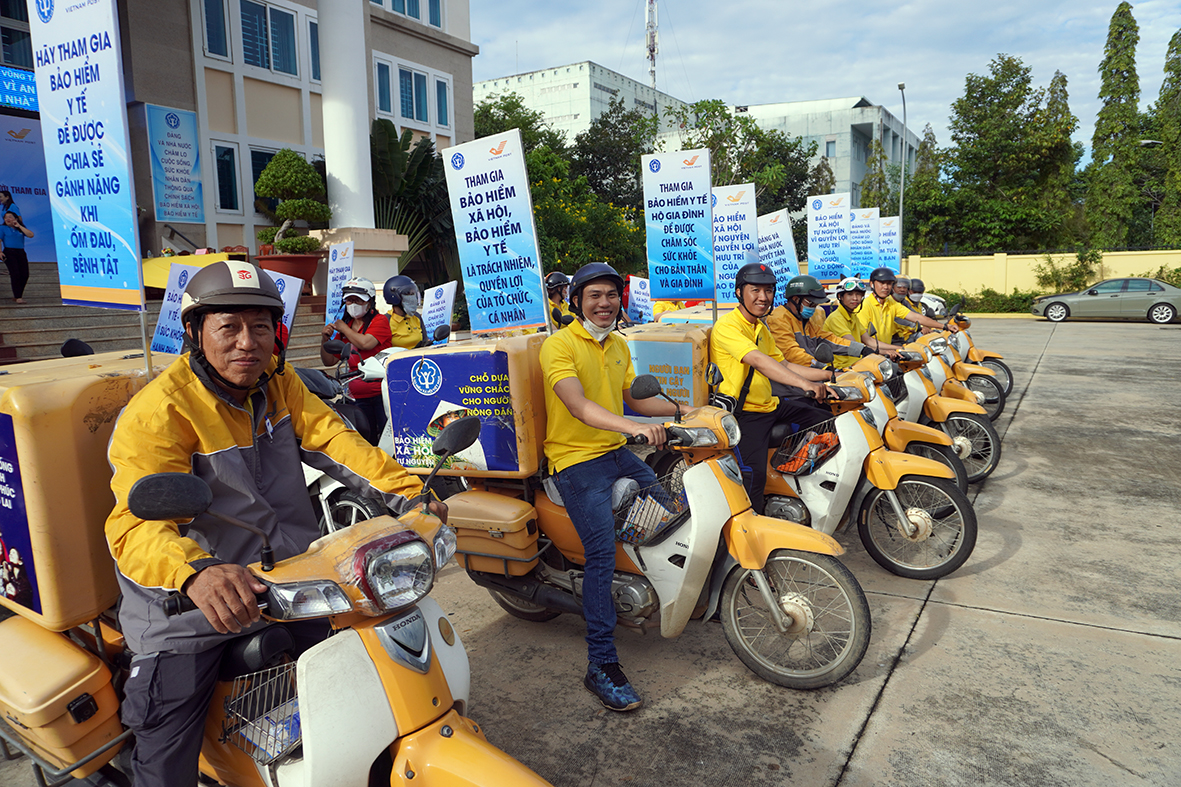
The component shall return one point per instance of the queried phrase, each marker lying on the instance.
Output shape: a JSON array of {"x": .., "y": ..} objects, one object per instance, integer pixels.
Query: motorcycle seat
[{"x": 255, "y": 652}]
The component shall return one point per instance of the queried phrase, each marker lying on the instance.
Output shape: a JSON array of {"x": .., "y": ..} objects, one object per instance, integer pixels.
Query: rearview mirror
[
  {"x": 169, "y": 496},
  {"x": 442, "y": 332},
  {"x": 559, "y": 318},
  {"x": 457, "y": 436},
  {"x": 714, "y": 375},
  {"x": 335, "y": 347},
  {"x": 645, "y": 387},
  {"x": 873, "y": 330},
  {"x": 1092, "y": 292},
  {"x": 824, "y": 354},
  {"x": 954, "y": 310}
]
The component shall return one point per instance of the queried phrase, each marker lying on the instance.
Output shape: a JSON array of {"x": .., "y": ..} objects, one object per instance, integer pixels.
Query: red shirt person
[{"x": 368, "y": 332}]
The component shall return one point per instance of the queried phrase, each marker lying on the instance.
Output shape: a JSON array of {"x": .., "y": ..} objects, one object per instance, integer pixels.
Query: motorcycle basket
[
  {"x": 652, "y": 511},
  {"x": 262, "y": 712},
  {"x": 807, "y": 449}
]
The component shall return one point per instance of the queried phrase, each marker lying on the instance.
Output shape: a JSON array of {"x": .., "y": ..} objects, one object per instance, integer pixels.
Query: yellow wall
[
  {"x": 317, "y": 119},
  {"x": 230, "y": 235},
  {"x": 219, "y": 99},
  {"x": 1004, "y": 272},
  {"x": 273, "y": 111}
]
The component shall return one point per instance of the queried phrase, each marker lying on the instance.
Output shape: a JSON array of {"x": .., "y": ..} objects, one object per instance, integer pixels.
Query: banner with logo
[
  {"x": 79, "y": 71},
  {"x": 678, "y": 220},
  {"x": 176, "y": 164},
  {"x": 437, "y": 305},
  {"x": 777, "y": 248},
  {"x": 889, "y": 243},
  {"x": 497, "y": 238},
  {"x": 340, "y": 270},
  {"x": 828, "y": 237},
  {"x": 169, "y": 335},
  {"x": 23, "y": 176},
  {"x": 735, "y": 234},
  {"x": 639, "y": 300},
  {"x": 863, "y": 241}
]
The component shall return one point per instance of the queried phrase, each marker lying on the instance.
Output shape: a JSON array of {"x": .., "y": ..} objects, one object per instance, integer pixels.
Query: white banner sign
[
  {"x": 678, "y": 221},
  {"x": 437, "y": 305},
  {"x": 828, "y": 236},
  {"x": 777, "y": 248},
  {"x": 340, "y": 270},
  {"x": 176, "y": 164},
  {"x": 735, "y": 234},
  {"x": 863, "y": 241},
  {"x": 639, "y": 300},
  {"x": 889, "y": 245}
]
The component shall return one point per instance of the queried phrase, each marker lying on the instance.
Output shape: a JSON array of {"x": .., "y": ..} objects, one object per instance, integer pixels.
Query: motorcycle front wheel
[
  {"x": 939, "y": 533},
  {"x": 347, "y": 509},
  {"x": 1004, "y": 375},
  {"x": 944, "y": 455},
  {"x": 827, "y": 611},
  {"x": 520, "y": 608},
  {"x": 977, "y": 443},
  {"x": 994, "y": 394}
]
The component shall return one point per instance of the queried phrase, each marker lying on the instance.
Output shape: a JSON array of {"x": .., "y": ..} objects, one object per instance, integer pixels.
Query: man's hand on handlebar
[
  {"x": 225, "y": 594},
  {"x": 439, "y": 509},
  {"x": 653, "y": 434},
  {"x": 819, "y": 391}
]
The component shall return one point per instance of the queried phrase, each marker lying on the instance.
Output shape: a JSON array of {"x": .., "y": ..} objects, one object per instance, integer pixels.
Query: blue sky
[{"x": 765, "y": 51}]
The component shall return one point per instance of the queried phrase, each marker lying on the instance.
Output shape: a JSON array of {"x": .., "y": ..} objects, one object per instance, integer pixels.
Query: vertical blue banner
[
  {"x": 340, "y": 270},
  {"x": 777, "y": 248},
  {"x": 678, "y": 220},
  {"x": 735, "y": 233},
  {"x": 23, "y": 175},
  {"x": 176, "y": 164},
  {"x": 496, "y": 234},
  {"x": 828, "y": 237},
  {"x": 863, "y": 241},
  {"x": 889, "y": 243},
  {"x": 18, "y": 576},
  {"x": 639, "y": 300},
  {"x": 79, "y": 72},
  {"x": 437, "y": 305}
]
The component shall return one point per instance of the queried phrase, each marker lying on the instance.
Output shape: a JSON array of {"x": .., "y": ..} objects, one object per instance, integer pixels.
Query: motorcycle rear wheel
[
  {"x": 994, "y": 394},
  {"x": 945, "y": 455},
  {"x": 347, "y": 509},
  {"x": 1004, "y": 375},
  {"x": 520, "y": 608},
  {"x": 984, "y": 443},
  {"x": 937, "y": 503},
  {"x": 822, "y": 597}
]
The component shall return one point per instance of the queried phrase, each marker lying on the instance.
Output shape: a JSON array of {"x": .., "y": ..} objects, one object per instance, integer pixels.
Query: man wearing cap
[
  {"x": 749, "y": 361},
  {"x": 368, "y": 332},
  {"x": 846, "y": 320},
  {"x": 881, "y": 310},
  {"x": 227, "y": 412},
  {"x": 798, "y": 326},
  {"x": 588, "y": 374},
  {"x": 557, "y": 285}
]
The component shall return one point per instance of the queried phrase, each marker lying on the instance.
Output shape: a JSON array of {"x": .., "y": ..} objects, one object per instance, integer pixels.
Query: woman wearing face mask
[
  {"x": 798, "y": 326},
  {"x": 369, "y": 333},
  {"x": 406, "y": 330}
]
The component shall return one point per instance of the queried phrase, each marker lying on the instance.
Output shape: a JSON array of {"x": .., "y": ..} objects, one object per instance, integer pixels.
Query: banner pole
[{"x": 143, "y": 332}]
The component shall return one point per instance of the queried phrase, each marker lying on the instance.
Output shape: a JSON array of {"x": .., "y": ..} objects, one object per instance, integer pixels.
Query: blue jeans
[{"x": 586, "y": 491}]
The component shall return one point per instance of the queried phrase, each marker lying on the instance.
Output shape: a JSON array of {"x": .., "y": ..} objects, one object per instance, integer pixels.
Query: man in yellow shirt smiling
[
  {"x": 881, "y": 310},
  {"x": 749, "y": 361},
  {"x": 588, "y": 373}
]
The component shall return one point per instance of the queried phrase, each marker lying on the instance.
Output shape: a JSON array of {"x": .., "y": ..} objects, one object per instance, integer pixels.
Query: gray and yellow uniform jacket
[{"x": 250, "y": 456}]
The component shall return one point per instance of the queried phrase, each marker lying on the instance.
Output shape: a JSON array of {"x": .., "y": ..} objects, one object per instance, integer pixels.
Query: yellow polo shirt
[
  {"x": 604, "y": 371},
  {"x": 842, "y": 323},
  {"x": 882, "y": 315},
  {"x": 784, "y": 326},
  {"x": 730, "y": 340},
  {"x": 405, "y": 331}
]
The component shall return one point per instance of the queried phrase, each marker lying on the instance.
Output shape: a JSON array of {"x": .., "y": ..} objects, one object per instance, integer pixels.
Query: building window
[
  {"x": 262, "y": 46},
  {"x": 225, "y": 159},
  {"x": 314, "y": 48},
  {"x": 412, "y": 9},
  {"x": 830, "y": 148},
  {"x": 412, "y": 95},
  {"x": 216, "y": 41},
  {"x": 16, "y": 48},
  {"x": 258, "y": 162},
  {"x": 436, "y": 12},
  {"x": 441, "y": 102},
  {"x": 383, "y": 88}
]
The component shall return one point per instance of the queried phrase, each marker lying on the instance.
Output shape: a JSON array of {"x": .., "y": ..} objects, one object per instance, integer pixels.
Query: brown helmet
[{"x": 230, "y": 285}]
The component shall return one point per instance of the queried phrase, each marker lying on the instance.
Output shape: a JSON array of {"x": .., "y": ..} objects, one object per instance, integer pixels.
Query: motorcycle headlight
[
  {"x": 730, "y": 427},
  {"x": 299, "y": 600},
  {"x": 886, "y": 367},
  {"x": 395, "y": 571},
  {"x": 445, "y": 545},
  {"x": 693, "y": 436},
  {"x": 938, "y": 345}
]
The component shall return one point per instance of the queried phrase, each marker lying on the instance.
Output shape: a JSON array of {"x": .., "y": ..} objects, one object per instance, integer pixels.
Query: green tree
[
  {"x": 500, "y": 113},
  {"x": 788, "y": 157},
  {"x": 926, "y": 216},
  {"x": 875, "y": 186},
  {"x": 1168, "y": 115},
  {"x": 733, "y": 141},
  {"x": 820, "y": 181},
  {"x": 1112, "y": 192},
  {"x": 608, "y": 154}
]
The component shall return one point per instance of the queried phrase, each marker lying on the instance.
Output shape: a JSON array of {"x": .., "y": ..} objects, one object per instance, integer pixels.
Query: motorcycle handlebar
[
  {"x": 179, "y": 603},
  {"x": 636, "y": 439}
]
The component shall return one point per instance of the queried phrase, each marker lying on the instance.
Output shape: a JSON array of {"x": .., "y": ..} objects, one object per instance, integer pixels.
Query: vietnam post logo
[
  {"x": 496, "y": 151},
  {"x": 24, "y": 132},
  {"x": 775, "y": 219},
  {"x": 172, "y": 120},
  {"x": 426, "y": 376},
  {"x": 817, "y": 204},
  {"x": 654, "y": 165},
  {"x": 736, "y": 197},
  {"x": 690, "y": 161},
  {"x": 457, "y": 161},
  {"x": 45, "y": 10}
]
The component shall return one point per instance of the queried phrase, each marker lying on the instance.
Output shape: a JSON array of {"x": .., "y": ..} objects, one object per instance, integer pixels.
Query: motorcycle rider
[
  {"x": 588, "y": 372},
  {"x": 226, "y": 412},
  {"x": 798, "y": 326},
  {"x": 847, "y": 321},
  {"x": 557, "y": 286},
  {"x": 882, "y": 311},
  {"x": 917, "y": 288},
  {"x": 406, "y": 327},
  {"x": 749, "y": 361},
  {"x": 369, "y": 333}
]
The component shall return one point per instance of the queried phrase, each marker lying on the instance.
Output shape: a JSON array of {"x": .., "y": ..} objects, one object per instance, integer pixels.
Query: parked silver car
[{"x": 1128, "y": 299}]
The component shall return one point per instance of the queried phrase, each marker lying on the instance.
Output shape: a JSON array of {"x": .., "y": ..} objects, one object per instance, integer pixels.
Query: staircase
[{"x": 36, "y": 330}]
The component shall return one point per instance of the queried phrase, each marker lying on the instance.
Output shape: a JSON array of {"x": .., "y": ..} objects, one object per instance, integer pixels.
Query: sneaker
[{"x": 610, "y": 685}]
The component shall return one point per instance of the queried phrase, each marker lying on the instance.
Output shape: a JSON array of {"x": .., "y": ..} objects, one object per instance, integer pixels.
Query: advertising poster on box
[
  {"x": 863, "y": 241},
  {"x": 735, "y": 234},
  {"x": 777, "y": 248},
  {"x": 428, "y": 392},
  {"x": 828, "y": 237},
  {"x": 889, "y": 244},
  {"x": 678, "y": 220},
  {"x": 340, "y": 270},
  {"x": 18, "y": 575},
  {"x": 639, "y": 300},
  {"x": 496, "y": 234}
]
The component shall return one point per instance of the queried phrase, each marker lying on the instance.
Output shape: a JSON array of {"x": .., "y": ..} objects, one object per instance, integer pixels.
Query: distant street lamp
[
  {"x": 1150, "y": 143},
  {"x": 902, "y": 177}
]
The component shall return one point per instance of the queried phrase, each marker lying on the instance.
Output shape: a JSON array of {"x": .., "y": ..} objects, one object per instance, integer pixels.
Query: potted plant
[{"x": 297, "y": 185}]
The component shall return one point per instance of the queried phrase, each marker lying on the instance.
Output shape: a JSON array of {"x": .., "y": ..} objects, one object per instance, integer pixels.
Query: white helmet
[
  {"x": 850, "y": 284},
  {"x": 359, "y": 285}
]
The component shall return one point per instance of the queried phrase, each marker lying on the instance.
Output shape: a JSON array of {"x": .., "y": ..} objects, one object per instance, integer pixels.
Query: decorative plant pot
[{"x": 302, "y": 266}]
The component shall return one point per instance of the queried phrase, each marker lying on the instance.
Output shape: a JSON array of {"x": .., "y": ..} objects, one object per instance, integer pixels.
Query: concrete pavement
[{"x": 1050, "y": 658}]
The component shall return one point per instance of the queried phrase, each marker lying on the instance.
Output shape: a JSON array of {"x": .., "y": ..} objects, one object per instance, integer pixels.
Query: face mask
[
  {"x": 410, "y": 303},
  {"x": 597, "y": 333},
  {"x": 899, "y": 297},
  {"x": 355, "y": 309},
  {"x": 807, "y": 311}
]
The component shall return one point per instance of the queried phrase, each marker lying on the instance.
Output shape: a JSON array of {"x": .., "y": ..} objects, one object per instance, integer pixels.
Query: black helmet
[
  {"x": 396, "y": 287},
  {"x": 882, "y": 274},
  {"x": 585, "y": 275},
  {"x": 808, "y": 287},
  {"x": 903, "y": 280},
  {"x": 556, "y": 280},
  {"x": 917, "y": 287},
  {"x": 753, "y": 273}
]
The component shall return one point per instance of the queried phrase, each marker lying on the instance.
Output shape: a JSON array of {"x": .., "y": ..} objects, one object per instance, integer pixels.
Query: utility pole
[{"x": 651, "y": 42}]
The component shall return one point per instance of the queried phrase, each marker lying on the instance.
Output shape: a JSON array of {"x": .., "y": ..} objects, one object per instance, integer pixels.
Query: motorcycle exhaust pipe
[{"x": 529, "y": 589}]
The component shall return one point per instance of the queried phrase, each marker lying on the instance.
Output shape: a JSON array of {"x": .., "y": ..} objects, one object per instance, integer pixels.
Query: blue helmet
[
  {"x": 396, "y": 287},
  {"x": 592, "y": 271}
]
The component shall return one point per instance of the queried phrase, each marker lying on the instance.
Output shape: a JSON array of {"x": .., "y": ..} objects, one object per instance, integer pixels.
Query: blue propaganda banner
[
  {"x": 678, "y": 220},
  {"x": 735, "y": 234},
  {"x": 828, "y": 237},
  {"x": 79, "y": 71},
  {"x": 496, "y": 234},
  {"x": 863, "y": 241},
  {"x": 777, "y": 248},
  {"x": 340, "y": 270},
  {"x": 23, "y": 176},
  {"x": 18, "y": 89},
  {"x": 176, "y": 164},
  {"x": 889, "y": 245}
]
